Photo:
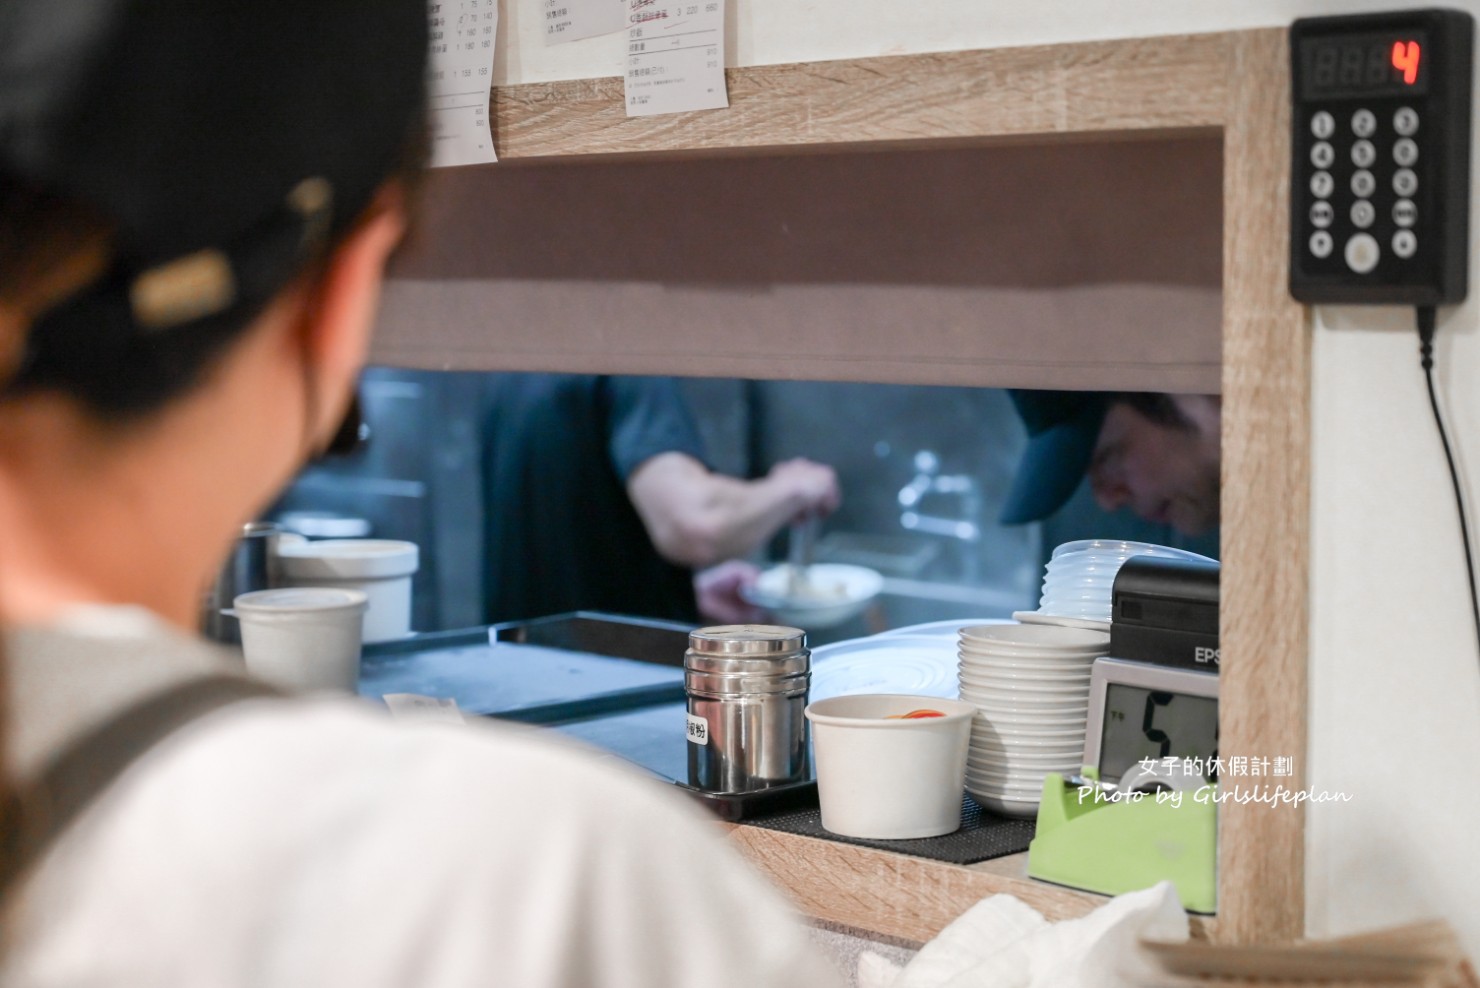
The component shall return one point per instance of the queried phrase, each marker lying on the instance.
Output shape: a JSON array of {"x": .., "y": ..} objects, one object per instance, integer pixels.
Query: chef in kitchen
[
  {"x": 197, "y": 201},
  {"x": 1156, "y": 454},
  {"x": 599, "y": 497}
]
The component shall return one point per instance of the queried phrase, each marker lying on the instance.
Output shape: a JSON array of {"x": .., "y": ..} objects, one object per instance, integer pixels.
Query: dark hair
[
  {"x": 120, "y": 377},
  {"x": 1154, "y": 405}
]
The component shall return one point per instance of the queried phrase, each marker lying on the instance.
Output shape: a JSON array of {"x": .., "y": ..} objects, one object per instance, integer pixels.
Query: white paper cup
[
  {"x": 303, "y": 638},
  {"x": 890, "y": 779},
  {"x": 381, "y": 569}
]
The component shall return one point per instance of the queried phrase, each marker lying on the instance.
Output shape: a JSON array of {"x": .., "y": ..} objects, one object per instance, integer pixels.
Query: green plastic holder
[{"x": 1086, "y": 841}]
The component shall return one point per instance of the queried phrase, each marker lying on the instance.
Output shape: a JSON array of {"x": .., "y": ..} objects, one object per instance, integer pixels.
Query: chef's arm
[{"x": 697, "y": 518}]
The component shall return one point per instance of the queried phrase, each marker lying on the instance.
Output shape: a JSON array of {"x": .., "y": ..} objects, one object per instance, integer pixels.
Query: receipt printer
[{"x": 1165, "y": 611}]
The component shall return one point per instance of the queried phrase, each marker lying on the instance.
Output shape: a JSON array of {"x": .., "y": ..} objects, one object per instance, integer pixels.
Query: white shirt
[{"x": 317, "y": 843}]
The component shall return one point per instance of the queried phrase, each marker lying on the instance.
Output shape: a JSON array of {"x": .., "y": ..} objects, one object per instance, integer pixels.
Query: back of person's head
[
  {"x": 169, "y": 171},
  {"x": 168, "y": 167}
]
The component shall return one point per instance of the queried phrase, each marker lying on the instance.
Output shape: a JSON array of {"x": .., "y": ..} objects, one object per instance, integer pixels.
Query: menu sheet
[
  {"x": 675, "y": 56},
  {"x": 572, "y": 20},
  {"x": 460, "y": 77}
]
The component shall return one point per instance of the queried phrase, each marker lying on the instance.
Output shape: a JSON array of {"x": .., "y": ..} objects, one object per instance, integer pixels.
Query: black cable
[{"x": 1426, "y": 323}]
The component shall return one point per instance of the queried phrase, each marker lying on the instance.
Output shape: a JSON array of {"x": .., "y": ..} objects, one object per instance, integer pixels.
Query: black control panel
[{"x": 1380, "y": 197}]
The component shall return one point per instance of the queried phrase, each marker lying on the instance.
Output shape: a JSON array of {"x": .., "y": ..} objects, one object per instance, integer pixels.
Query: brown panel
[
  {"x": 1266, "y": 503},
  {"x": 1069, "y": 265},
  {"x": 1173, "y": 82}
]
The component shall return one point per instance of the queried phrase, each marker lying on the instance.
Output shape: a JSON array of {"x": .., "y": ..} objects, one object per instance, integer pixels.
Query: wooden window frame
[{"x": 1233, "y": 83}]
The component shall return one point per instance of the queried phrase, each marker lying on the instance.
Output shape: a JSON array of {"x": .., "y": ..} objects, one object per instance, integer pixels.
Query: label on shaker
[{"x": 698, "y": 730}]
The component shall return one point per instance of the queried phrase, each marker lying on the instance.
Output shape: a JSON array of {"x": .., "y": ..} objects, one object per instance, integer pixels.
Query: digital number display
[
  {"x": 1145, "y": 723},
  {"x": 1357, "y": 65}
]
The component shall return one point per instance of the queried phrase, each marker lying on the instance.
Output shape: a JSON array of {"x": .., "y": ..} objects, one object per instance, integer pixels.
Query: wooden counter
[{"x": 899, "y": 896}]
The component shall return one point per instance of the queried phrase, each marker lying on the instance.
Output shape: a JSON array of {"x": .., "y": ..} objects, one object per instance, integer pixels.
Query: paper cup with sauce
[{"x": 890, "y": 766}]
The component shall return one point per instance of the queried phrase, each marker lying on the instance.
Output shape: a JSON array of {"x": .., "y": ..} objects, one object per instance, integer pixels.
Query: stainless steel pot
[{"x": 252, "y": 565}]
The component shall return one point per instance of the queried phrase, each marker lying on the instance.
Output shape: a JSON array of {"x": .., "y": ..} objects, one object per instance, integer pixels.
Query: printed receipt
[
  {"x": 572, "y": 20},
  {"x": 424, "y": 709},
  {"x": 675, "y": 57},
  {"x": 460, "y": 77}
]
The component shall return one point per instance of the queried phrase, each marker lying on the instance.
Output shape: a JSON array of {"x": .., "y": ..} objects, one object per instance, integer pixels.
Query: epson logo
[{"x": 1203, "y": 655}]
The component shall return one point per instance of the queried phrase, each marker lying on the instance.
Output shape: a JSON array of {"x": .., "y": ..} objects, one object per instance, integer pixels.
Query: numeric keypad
[{"x": 1364, "y": 179}]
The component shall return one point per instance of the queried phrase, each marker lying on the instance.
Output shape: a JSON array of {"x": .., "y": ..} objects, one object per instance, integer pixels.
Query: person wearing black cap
[
  {"x": 197, "y": 199},
  {"x": 1157, "y": 454}
]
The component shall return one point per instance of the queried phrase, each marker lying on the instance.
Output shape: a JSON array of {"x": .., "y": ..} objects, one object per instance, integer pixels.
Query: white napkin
[{"x": 1002, "y": 943}]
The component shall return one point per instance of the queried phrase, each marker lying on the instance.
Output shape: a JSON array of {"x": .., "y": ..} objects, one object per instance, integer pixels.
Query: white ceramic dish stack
[{"x": 1030, "y": 685}]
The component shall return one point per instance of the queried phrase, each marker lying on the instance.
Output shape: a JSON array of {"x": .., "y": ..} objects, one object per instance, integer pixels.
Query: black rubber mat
[{"x": 983, "y": 835}]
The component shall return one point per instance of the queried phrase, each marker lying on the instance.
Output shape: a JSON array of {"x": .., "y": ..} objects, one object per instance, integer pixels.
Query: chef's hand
[
  {"x": 813, "y": 487},
  {"x": 717, "y": 591}
]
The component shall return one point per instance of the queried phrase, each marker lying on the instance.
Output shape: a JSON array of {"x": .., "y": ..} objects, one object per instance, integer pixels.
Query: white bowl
[
  {"x": 988, "y": 745},
  {"x": 839, "y": 593},
  {"x": 1002, "y": 721},
  {"x": 1062, "y": 675},
  {"x": 1011, "y": 750},
  {"x": 992, "y": 702},
  {"x": 1026, "y": 788},
  {"x": 985, "y": 732},
  {"x": 1033, "y": 688},
  {"x": 1024, "y": 663},
  {"x": 986, "y": 736},
  {"x": 1020, "y": 778},
  {"x": 1043, "y": 637},
  {"x": 1004, "y": 650},
  {"x": 1020, "y": 764},
  {"x": 1023, "y": 809},
  {"x": 1024, "y": 781}
]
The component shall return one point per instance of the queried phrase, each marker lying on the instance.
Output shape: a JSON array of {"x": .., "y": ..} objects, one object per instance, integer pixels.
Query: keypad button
[
  {"x": 1405, "y": 213},
  {"x": 1405, "y": 182},
  {"x": 1363, "y": 213},
  {"x": 1405, "y": 152},
  {"x": 1322, "y": 155},
  {"x": 1405, "y": 244},
  {"x": 1363, "y": 154},
  {"x": 1321, "y": 214},
  {"x": 1321, "y": 244},
  {"x": 1322, "y": 185},
  {"x": 1363, "y": 184},
  {"x": 1322, "y": 125},
  {"x": 1362, "y": 253},
  {"x": 1364, "y": 123},
  {"x": 1405, "y": 121}
]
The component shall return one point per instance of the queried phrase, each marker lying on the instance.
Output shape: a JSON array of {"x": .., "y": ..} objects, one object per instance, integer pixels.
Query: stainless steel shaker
[
  {"x": 250, "y": 566},
  {"x": 747, "y": 693}
]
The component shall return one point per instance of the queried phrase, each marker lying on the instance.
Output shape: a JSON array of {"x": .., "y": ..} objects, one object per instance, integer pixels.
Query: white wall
[
  {"x": 1395, "y": 675},
  {"x": 769, "y": 32}
]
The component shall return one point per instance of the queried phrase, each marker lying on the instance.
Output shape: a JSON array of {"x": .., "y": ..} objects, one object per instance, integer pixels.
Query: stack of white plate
[
  {"x": 1080, "y": 575},
  {"x": 1030, "y": 683}
]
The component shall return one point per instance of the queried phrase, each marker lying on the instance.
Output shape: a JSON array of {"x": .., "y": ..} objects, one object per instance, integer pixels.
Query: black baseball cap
[
  {"x": 222, "y": 140},
  {"x": 1063, "y": 428}
]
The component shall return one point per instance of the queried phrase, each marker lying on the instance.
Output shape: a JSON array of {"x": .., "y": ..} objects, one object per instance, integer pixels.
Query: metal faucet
[{"x": 929, "y": 481}]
